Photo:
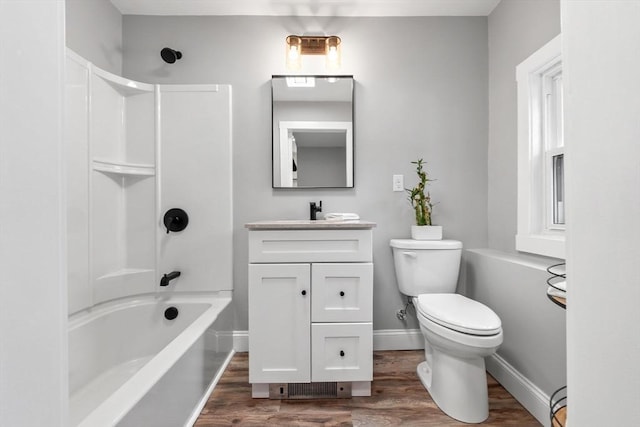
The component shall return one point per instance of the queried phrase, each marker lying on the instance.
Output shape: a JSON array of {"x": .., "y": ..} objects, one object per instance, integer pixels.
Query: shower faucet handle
[{"x": 175, "y": 220}]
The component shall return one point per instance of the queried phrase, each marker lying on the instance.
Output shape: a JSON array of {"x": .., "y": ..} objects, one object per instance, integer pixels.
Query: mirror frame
[{"x": 347, "y": 126}]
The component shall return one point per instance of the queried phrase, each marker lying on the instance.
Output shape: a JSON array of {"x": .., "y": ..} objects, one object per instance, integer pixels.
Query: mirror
[{"x": 312, "y": 131}]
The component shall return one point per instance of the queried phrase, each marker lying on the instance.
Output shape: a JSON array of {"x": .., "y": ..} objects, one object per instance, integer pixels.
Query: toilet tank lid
[{"x": 425, "y": 244}]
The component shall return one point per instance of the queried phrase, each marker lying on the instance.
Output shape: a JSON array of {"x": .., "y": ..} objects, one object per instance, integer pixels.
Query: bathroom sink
[{"x": 306, "y": 224}]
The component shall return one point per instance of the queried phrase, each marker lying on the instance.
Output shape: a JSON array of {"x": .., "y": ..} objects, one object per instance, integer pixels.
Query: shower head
[{"x": 169, "y": 55}]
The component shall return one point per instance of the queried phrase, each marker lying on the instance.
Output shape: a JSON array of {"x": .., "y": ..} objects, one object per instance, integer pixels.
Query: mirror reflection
[{"x": 312, "y": 131}]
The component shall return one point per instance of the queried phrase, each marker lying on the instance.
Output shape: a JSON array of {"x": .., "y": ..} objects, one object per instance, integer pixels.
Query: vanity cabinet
[{"x": 310, "y": 309}]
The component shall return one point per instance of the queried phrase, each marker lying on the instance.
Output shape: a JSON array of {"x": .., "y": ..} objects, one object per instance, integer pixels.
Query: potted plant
[{"x": 421, "y": 203}]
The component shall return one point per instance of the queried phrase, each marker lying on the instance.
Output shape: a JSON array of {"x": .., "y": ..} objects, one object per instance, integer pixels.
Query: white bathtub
[{"x": 130, "y": 366}]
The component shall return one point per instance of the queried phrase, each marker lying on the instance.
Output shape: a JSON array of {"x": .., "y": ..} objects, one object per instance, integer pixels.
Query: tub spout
[{"x": 169, "y": 277}]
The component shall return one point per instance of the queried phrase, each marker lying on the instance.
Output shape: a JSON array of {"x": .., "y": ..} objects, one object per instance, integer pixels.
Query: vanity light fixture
[{"x": 329, "y": 46}]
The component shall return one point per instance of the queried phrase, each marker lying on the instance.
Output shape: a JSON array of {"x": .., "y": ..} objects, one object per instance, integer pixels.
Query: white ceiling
[{"x": 308, "y": 7}]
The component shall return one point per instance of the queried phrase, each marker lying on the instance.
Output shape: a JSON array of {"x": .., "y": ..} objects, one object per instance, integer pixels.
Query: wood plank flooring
[{"x": 398, "y": 398}]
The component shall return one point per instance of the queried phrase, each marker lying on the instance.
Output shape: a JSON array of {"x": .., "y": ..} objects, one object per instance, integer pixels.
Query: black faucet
[
  {"x": 313, "y": 210},
  {"x": 169, "y": 277}
]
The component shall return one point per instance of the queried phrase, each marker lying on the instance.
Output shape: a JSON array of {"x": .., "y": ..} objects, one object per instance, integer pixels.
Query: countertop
[{"x": 305, "y": 224}]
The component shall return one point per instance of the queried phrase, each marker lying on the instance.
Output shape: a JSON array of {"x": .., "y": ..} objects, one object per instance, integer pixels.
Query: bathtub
[{"x": 131, "y": 366}]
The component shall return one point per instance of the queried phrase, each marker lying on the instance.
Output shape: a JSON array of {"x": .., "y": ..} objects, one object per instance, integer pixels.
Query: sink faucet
[
  {"x": 169, "y": 277},
  {"x": 313, "y": 210}
]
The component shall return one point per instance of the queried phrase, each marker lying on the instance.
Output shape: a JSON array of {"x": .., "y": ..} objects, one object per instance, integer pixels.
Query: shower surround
[{"x": 134, "y": 151}]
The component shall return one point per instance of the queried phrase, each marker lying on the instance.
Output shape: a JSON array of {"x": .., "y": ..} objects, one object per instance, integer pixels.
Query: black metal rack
[
  {"x": 558, "y": 407},
  {"x": 556, "y": 276},
  {"x": 558, "y": 400}
]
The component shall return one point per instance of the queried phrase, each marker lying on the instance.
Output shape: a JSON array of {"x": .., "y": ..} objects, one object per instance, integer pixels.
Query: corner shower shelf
[
  {"x": 126, "y": 281},
  {"x": 125, "y": 169},
  {"x": 125, "y": 272},
  {"x": 125, "y": 87}
]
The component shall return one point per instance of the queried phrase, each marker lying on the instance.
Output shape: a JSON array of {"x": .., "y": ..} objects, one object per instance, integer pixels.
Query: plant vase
[{"x": 426, "y": 232}]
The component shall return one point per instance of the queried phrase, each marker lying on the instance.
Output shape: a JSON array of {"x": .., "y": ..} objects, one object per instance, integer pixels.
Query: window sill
[{"x": 541, "y": 244}]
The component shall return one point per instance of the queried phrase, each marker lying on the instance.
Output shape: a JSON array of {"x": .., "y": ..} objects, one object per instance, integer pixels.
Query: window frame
[
  {"x": 550, "y": 188},
  {"x": 536, "y": 232},
  {"x": 553, "y": 139}
]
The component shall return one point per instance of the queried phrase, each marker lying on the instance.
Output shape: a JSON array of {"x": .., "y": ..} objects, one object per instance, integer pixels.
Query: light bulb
[
  {"x": 293, "y": 52},
  {"x": 332, "y": 52}
]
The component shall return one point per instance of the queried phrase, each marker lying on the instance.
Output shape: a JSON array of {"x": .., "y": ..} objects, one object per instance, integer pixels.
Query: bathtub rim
[
  {"x": 87, "y": 314},
  {"x": 113, "y": 409}
]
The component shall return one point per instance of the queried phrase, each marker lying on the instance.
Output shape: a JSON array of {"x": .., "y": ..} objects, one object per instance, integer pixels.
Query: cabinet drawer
[
  {"x": 310, "y": 246},
  {"x": 342, "y": 292},
  {"x": 341, "y": 352}
]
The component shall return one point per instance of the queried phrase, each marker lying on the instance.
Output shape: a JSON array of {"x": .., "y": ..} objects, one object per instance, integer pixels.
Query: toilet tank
[{"x": 426, "y": 266}]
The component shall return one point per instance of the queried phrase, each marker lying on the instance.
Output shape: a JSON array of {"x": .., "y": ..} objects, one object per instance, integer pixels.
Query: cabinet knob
[
  {"x": 341, "y": 293},
  {"x": 304, "y": 293},
  {"x": 341, "y": 353}
]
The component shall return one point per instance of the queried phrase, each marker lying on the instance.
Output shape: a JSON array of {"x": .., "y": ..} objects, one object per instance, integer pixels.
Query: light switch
[{"x": 398, "y": 182}]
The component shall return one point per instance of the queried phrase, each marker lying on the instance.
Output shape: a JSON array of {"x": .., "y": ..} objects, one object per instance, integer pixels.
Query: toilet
[{"x": 459, "y": 332}]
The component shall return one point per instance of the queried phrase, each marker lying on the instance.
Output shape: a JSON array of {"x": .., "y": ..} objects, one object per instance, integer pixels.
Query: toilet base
[{"x": 457, "y": 386}]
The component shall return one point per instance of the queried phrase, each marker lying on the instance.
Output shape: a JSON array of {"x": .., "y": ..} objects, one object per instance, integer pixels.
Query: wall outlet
[{"x": 398, "y": 182}]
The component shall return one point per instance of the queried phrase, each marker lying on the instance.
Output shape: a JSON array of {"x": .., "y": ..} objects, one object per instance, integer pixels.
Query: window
[
  {"x": 557, "y": 197},
  {"x": 541, "y": 196},
  {"x": 553, "y": 147}
]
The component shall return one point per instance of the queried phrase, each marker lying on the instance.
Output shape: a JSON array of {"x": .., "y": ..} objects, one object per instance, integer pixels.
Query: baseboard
[
  {"x": 524, "y": 391},
  {"x": 241, "y": 341},
  {"x": 383, "y": 339},
  {"x": 398, "y": 339}
]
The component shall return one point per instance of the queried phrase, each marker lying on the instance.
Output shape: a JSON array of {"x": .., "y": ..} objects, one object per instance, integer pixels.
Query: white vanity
[{"x": 310, "y": 308}]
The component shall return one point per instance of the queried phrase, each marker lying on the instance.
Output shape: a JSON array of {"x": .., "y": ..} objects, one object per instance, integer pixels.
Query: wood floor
[{"x": 397, "y": 398}]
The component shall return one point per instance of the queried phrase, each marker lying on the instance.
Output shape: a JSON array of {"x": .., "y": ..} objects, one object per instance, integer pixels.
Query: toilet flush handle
[{"x": 410, "y": 254}]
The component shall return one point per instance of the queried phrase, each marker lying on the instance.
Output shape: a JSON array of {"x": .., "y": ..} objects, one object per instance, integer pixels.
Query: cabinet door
[
  {"x": 342, "y": 292},
  {"x": 279, "y": 323},
  {"x": 342, "y": 352}
]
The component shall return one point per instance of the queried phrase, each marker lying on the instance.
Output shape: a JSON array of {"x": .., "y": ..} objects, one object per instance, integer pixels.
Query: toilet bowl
[
  {"x": 454, "y": 370},
  {"x": 458, "y": 331}
]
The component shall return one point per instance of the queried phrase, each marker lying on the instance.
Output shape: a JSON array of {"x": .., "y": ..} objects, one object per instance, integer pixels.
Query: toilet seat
[{"x": 459, "y": 313}]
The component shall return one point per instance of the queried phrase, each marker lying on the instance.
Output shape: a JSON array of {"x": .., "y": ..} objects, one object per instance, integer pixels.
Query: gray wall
[
  {"x": 517, "y": 28},
  {"x": 94, "y": 31},
  {"x": 534, "y": 328},
  {"x": 422, "y": 92}
]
